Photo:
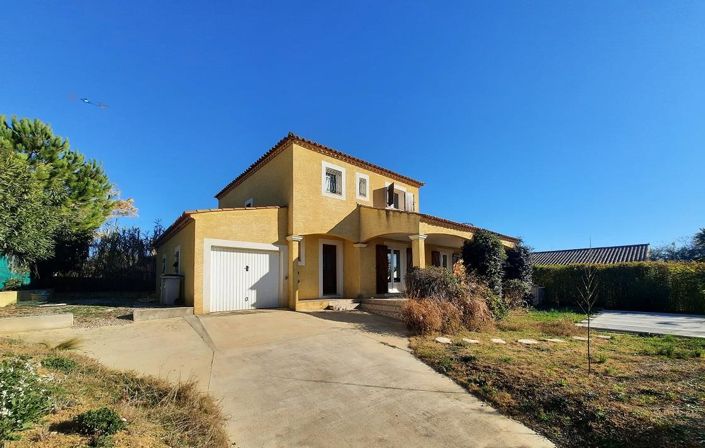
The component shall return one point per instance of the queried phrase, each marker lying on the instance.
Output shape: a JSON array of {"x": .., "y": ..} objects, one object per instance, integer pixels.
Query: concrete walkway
[
  {"x": 657, "y": 323},
  {"x": 323, "y": 379}
]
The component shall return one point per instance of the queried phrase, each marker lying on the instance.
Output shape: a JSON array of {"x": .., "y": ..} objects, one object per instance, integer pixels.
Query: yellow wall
[
  {"x": 269, "y": 185},
  {"x": 185, "y": 239},
  {"x": 8, "y": 298},
  {"x": 314, "y": 213}
]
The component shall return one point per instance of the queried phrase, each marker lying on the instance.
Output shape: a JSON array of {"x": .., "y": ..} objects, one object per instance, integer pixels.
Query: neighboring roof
[
  {"x": 185, "y": 217},
  {"x": 600, "y": 255},
  {"x": 313, "y": 146}
]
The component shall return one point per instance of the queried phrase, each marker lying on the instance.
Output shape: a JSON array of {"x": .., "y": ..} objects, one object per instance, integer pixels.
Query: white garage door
[{"x": 243, "y": 279}]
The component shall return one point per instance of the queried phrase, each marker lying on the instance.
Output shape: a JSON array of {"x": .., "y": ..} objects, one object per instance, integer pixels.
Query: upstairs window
[
  {"x": 250, "y": 203},
  {"x": 363, "y": 186},
  {"x": 333, "y": 181}
]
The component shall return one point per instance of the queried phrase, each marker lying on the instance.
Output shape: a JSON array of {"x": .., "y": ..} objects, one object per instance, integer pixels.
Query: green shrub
[
  {"x": 646, "y": 286},
  {"x": 99, "y": 422},
  {"x": 484, "y": 257},
  {"x": 24, "y": 398},
  {"x": 59, "y": 363},
  {"x": 12, "y": 284}
]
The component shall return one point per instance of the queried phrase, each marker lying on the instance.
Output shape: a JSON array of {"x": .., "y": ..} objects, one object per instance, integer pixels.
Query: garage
[{"x": 243, "y": 279}]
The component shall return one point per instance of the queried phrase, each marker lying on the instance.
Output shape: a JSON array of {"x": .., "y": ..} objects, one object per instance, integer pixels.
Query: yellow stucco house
[{"x": 304, "y": 226}]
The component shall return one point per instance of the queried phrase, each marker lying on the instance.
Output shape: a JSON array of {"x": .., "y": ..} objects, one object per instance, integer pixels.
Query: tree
[
  {"x": 587, "y": 297},
  {"x": 692, "y": 250},
  {"x": 27, "y": 224},
  {"x": 76, "y": 190},
  {"x": 517, "y": 265},
  {"x": 484, "y": 256}
]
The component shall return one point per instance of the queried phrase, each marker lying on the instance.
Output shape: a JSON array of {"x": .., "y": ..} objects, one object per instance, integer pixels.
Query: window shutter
[
  {"x": 409, "y": 202},
  {"x": 390, "y": 194}
]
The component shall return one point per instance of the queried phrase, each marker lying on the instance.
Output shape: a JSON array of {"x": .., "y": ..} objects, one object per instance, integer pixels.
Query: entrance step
[
  {"x": 327, "y": 304},
  {"x": 389, "y": 307}
]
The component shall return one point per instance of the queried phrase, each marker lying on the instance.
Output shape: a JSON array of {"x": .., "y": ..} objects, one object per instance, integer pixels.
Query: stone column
[
  {"x": 418, "y": 250},
  {"x": 294, "y": 241}
]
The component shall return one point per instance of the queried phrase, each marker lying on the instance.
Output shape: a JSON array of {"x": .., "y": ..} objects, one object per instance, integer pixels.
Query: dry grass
[
  {"x": 645, "y": 391},
  {"x": 84, "y": 315},
  {"x": 159, "y": 414}
]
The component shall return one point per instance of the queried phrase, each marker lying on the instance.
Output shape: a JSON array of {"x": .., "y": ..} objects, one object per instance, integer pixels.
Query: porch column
[
  {"x": 418, "y": 250},
  {"x": 294, "y": 241},
  {"x": 357, "y": 281}
]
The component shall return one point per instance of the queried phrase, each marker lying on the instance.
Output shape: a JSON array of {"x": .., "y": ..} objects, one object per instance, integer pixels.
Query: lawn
[
  {"x": 644, "y": 391},
  {"x": 153, "y": 412}
]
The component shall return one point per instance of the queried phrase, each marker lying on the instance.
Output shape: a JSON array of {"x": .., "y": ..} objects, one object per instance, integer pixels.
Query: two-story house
[{"x": 303, "y": 226}]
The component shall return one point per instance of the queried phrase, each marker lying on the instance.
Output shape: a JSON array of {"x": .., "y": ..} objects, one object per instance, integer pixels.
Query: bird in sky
[{"x": 96, "y": 104}]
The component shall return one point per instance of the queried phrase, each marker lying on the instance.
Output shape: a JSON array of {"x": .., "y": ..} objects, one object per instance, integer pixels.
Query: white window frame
[
  {"x": 324, "y": 166},
  {"x": 338, "y": 265},
  {"x": 359, "y": 176},
  {"x": 250, "y": 203}
]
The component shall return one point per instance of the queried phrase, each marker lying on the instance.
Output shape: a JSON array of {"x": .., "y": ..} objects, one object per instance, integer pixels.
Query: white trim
[
  {"x": 338, "y": 267},
  {"x": 325, "y": 165},
  {"x": 418, "y": 237},
  {"x": 359, "y": 176},
  {"x": 209, "y": 243},
  {"x": 360, "y": 245},
  {"x": 250, "y": 203},
  {"x": 402, "y": 202},
  {"x": 401, "y": 247}
]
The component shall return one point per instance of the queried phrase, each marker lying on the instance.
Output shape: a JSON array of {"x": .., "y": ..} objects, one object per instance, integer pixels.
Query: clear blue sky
[{"x": 556, "y": 121}]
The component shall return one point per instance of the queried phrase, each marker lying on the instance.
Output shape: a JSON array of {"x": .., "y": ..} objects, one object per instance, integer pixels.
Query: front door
[
  {"x": 394, "y": 270},
  {"x": 330, "y": 273}
]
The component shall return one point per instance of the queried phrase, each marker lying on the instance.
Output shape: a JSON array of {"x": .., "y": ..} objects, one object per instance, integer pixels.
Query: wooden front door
[
  {"x": 382, "y": 269},
  {"x": 329, "y": 271}
]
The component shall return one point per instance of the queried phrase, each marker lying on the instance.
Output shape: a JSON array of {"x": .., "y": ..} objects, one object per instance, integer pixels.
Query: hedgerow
[{"x": 677, "y": 287}]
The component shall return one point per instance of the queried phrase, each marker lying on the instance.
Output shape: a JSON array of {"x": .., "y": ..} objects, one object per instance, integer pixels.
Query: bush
[
  {"x": 99, "y": 422},
  {"x": 646, "y": 286},
  {"x": 23, "y": 397},
  {"x": 515, "y": 293},
  {"x": 12, "y": 284},
  {"x": 432, "y": 282},
  {"x": 422, "y": 316},
  {"x": 484, "y": 257},
  {"x": 59, "y": 363}
]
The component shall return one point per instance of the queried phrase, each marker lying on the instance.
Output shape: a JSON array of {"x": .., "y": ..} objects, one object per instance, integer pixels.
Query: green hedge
[{"x": 677, "y": 287}]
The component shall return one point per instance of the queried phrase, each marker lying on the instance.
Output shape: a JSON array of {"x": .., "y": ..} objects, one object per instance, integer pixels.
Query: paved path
[
  {"x": 325, "y": 379},
  {"x": 657, "y": 323}
]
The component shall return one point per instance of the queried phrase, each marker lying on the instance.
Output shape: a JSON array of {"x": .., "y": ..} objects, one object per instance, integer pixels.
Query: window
[
  {"x": 177, "y": 260},
  {"x": 163, "y": 264},
  {"x": 444, "y": 260},
  {"x": 250, "y": 202},
  {"x": 363, "y": 186},
  {"x": 333, "y": 181},
  {"x": 396, "y": 200},
  {"x": 397, "y": 197}
]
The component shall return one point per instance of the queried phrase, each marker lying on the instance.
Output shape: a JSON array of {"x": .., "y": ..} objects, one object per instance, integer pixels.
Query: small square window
[{"x": 362, "y": 187}]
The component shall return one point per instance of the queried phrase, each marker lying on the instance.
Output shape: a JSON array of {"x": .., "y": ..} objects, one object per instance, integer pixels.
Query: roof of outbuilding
[
  {"x": 313, "y": 146},
  {"x": 599, "y": 255}
]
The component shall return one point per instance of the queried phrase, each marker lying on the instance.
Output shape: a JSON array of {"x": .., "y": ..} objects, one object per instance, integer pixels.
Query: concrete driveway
[
  {"x": 690, "y": 325},
  {"x": 312, "y": 380}
]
